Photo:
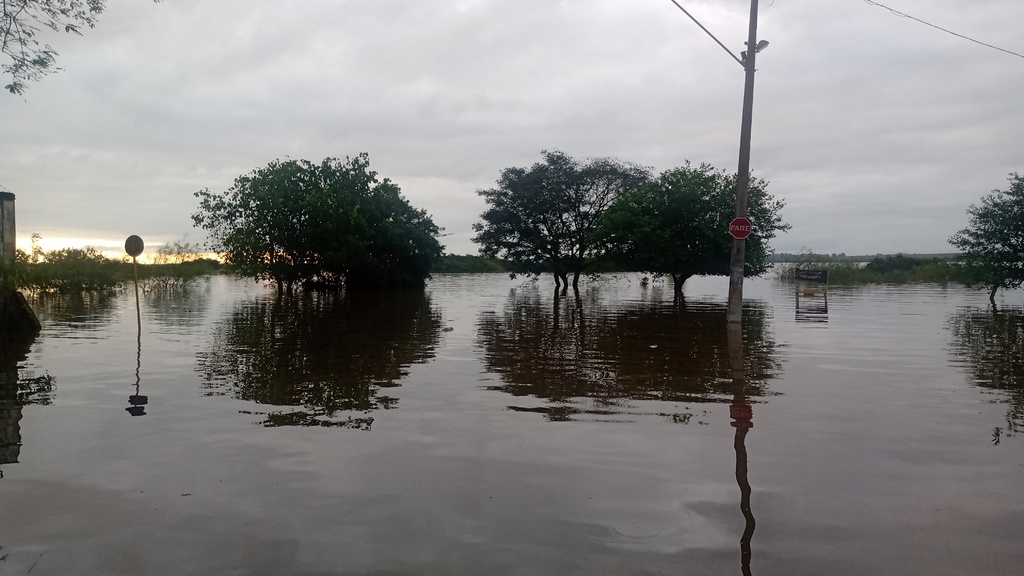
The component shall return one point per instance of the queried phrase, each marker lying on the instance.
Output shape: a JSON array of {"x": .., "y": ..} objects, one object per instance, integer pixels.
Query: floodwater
[{"x": 486, "y": 427}]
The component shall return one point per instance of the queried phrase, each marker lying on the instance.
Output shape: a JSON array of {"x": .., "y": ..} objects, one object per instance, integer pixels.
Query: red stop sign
[{"x": 739, "y": 228}]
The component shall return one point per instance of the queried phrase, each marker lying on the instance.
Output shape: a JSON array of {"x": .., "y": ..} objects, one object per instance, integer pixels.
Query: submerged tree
[
  {"x": 542, "y": 218},
  {"x": 324, "y": 225},
  {"x": 677, "y": 225},
  {"x": 993, "y": 241}
]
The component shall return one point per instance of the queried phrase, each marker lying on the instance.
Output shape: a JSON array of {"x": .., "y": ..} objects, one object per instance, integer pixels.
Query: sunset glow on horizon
[{"x": 110, "y": 247}]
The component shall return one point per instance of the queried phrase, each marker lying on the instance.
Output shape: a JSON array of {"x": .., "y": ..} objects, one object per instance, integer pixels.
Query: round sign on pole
[
  {"x": 740, "y": 227},
  {"x": 134, "y": 246}
]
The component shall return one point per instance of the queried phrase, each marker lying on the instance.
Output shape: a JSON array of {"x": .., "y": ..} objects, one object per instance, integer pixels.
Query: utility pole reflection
[
  {"x": 137, "y": 401},
  {"x": 742, "y": 415}
]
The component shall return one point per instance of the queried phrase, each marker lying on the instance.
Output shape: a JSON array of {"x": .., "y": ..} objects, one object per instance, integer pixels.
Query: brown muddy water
[{"x": 485, "y": 427}]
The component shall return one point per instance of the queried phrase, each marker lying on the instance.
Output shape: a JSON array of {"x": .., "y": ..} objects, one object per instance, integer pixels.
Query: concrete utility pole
[
  {"x": 17, "y": 321},
  {"x": 734, "y": 313},
  {"x": 7, "y": 236}
]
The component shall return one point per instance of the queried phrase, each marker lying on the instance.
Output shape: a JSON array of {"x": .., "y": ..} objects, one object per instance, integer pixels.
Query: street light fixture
[{"x": 761, "y": 45}]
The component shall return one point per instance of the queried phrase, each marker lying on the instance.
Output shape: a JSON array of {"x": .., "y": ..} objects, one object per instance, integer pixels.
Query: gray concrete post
[
  {"x": 7, "y": 230},
  {"x": 16, "y": 317}
]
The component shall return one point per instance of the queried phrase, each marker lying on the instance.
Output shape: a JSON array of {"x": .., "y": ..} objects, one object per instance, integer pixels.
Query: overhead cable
[{"x": 904, "y": 15}]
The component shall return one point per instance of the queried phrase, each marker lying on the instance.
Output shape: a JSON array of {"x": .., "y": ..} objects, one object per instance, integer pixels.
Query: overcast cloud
[{"x": 878, "y": 131}]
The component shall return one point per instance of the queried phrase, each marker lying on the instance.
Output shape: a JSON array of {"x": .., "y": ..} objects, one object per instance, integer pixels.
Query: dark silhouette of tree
[
  {"x": 993, "y": 241},
  {"x": 329, "y": 355},
  {"x": 21, "y": 21},
  {"x": 542, "y": 218},
  {"x": 678, "y": 225}
]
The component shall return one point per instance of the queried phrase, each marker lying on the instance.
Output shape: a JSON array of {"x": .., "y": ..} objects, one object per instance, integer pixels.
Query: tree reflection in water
[
  {"x": 76, "y": 315},
  {"x": 326, "y": 354},
  {"x": 587, "y": 357},
  {"x": 992, "y": 344},
  {"x": 17, "y": 391},
  {"x": 575, "y": 350},
  {"x": 182, "y": 307}
]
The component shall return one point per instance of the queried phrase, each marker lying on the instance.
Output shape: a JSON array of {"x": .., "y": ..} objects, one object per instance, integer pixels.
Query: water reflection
[
  {"x": 742, "y": 414},
  {"x": 137, "y": 402},
  {"x": 992, "y": 343},
  {"x": 584, "y": 356},
  {"x": 16, "y": 391},
  {"x": 328, "y": 355},
  {"x": 811, "y": 305},
  {"x": 78, "y": 315},
  {"x": 181, "y": 307},
  {"x": 11, "y": 352}
]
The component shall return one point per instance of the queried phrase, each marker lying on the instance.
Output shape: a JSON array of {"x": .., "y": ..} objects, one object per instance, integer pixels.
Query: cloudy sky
[{"x": 877, "y": 130}]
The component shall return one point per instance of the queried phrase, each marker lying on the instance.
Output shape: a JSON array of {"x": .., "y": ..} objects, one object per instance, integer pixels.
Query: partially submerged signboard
[{"x": 812, "y": 275}]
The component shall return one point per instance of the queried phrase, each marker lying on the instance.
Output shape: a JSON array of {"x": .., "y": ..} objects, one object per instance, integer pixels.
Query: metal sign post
[{"x": 134, "y": 246}]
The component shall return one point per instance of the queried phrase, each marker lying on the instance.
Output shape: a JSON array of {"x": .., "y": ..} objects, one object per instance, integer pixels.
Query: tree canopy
[
  {"x": 542, "y": 218},
  {"x": 677, "y": 225},
  {"x": 326, "y": 225},
  {"x": 993, "y": 241},
  {"x": 21, "y": 21}
]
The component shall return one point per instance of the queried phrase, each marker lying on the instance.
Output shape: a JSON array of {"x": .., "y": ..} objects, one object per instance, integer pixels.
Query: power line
[{"x": 904, "y": 15}]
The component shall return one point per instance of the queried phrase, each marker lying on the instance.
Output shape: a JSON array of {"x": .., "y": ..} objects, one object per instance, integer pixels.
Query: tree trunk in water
[
  {"x": 561, "y": 279},
  {"x": 556, "y": 271},
  {"x": 576, "y": 281},
  {"x": 677, "y": 285},
  {"x": 992, "y": 295}
]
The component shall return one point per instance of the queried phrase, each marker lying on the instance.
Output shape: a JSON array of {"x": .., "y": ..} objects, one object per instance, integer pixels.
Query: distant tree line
[
  {"x": 175, "y": 265},
  {"x": 890, "y": 268},
  {"x": 810, "y": 256},
  {"x": 468, "y": 263},
  {"x": 990, "y": 257}
]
